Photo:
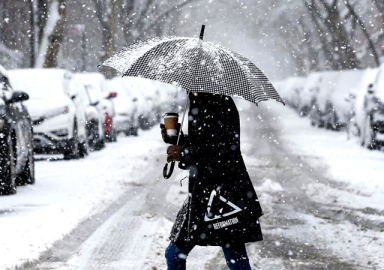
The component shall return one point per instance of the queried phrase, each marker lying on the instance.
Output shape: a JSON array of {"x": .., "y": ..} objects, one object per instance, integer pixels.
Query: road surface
[{"x": 300, "y": 232}]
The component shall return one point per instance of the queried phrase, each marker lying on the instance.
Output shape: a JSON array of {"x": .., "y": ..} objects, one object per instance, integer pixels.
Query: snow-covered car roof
[
  {"x": 96, "y": 85},
  {"x": 124, "y": 100},
  {"x": 40, "y": 83}
]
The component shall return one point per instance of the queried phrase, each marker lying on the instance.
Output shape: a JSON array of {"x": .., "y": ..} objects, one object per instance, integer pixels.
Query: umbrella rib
[{"x": 188, "y": 91}]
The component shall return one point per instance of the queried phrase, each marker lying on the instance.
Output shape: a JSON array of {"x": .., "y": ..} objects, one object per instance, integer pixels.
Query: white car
[
  {"x": 99, "y": 93},
  {"x": 308, "y": 94},
  {"x": 372, "y": 130},
  {"x": 125, "y": 120},
  {"x": 57, "y": 111},
  {"x": 94, "y": 116},
  {"x": 321, "y": 110}
]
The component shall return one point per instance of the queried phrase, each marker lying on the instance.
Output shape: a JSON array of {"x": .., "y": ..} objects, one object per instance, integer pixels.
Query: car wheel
[
  {"x": 83, "y": 148},
  {"x": 133, "y": 131},
  {"x": 113, "y": 136},
  {"x": 72, "y": 151},
  {"x": 101, "y": 143},
  {"x": 330, "y": 122},
  {"x": 27, "y": 176},
  {"x": 304, "y": 111},
  {"x": 368, "y": 140},
  {"x": 316, "y": 118},
  {"x": 7, "y": 167}
]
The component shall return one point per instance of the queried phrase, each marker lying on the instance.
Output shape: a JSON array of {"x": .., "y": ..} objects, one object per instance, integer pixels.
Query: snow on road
[
  {"x": 358, "y": 168},
  {"x": 321, "y": 195},
  {"x": 344, "y": 184},
  {"x": 65, "y": 193}
]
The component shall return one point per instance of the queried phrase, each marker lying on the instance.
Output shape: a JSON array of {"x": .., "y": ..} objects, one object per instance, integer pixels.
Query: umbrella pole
[
  {"x": 167, "y": 173},
  {"x": 182, "y": 119}
]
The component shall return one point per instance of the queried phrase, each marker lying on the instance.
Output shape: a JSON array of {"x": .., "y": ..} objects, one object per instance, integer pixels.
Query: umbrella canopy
[{"x": 195, "y": 65}]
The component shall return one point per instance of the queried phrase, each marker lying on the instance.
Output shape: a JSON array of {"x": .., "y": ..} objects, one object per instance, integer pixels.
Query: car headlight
[{"x": 56, "y": 112}]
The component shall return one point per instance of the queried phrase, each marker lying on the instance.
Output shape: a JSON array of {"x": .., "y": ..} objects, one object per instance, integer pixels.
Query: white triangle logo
[{"x": 234, "y": 206}]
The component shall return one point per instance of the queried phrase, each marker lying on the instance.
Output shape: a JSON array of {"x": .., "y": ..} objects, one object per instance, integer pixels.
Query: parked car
[
  {"x": 146, "y": 100},
  {"x": 356, "y": 100},
  {"x": 307, "y": 97},
  {"x": 149, "y": 109},
  {"x": 322, "y": 113},
  {"x": 126, "y": 120},
  {"x": 16, "y": 139},
  {"x": 99, "y": 93},
  {"x": 340, "y": 99},
  {"x": 94, "y": 116},
  {"x": 169, "y": 98},
  {"x": 372, "y": 135},
  {"x": 57, "y": 111},
  {"x": 291, "y": 90}
]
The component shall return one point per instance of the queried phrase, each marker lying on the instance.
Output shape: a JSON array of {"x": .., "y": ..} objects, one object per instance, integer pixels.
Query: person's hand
[
  {"x": 173, "y": 153},
  {"x": 170, "y": 139}
]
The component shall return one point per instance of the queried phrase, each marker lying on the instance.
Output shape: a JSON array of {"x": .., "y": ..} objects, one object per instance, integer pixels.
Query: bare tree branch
[
  {"x": 164, "y": 15},
  {"x": 365, "y": 32}
]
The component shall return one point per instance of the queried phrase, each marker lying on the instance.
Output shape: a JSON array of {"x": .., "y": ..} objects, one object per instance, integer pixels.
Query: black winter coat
[{"x": 222, "y": 206}]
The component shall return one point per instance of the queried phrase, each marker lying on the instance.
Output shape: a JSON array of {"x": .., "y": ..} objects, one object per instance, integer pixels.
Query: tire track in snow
[
  {"x": 91, "y": 244},
  {"x": 280, "y": 178}
]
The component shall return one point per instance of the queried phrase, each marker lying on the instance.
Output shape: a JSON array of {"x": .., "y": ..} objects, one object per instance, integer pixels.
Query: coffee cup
[{"x": 170, "y": 121}]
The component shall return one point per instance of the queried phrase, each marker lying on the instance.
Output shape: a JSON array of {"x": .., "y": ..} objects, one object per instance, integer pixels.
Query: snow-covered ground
[
  {"x": 355, "y": 189},
  {"x": 67, "y": 192},
  {"x": 361, "y": 170},
  {"x": 135, "y": 236}
]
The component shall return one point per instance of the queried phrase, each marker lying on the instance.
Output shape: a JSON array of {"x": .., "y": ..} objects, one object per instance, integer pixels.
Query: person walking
[{"x": 222, "y": 208}]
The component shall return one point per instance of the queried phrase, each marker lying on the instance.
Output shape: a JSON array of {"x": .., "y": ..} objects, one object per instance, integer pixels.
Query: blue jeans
[{"x": 235, "y": 256}]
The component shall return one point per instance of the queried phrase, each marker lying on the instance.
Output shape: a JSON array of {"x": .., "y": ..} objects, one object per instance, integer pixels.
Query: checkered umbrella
[{"x": 195, "y": 65}]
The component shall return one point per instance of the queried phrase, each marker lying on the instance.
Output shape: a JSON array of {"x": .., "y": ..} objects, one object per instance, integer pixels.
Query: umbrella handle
[{"x": 167, "y": 174}]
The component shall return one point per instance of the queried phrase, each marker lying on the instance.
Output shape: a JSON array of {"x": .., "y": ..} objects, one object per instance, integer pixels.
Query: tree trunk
[
  {"x": 42, "y": 15},
  {"x": 125, "y": 20},
  {"x": 344, "y": 54},
  {"x": 32, "y": 37},
  {"x": 380, "y": 7},
  {"x": 56, "y": 38},
  {"x": 365, "y": 32},
  {"x": 326, "y": 46},
  {"x": 109, "y": 34}
]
